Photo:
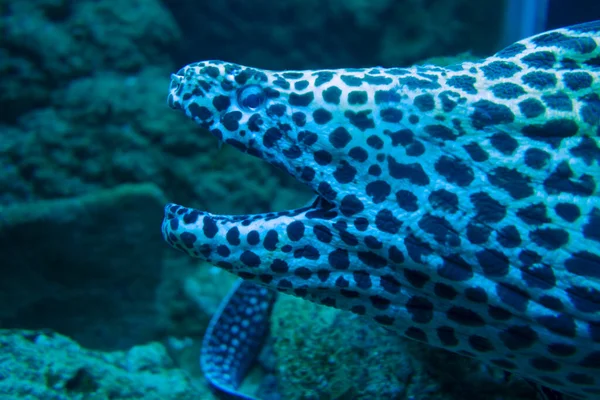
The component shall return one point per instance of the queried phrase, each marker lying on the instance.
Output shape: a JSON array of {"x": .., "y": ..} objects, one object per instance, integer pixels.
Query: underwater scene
[{"x": 299, "y": 199}]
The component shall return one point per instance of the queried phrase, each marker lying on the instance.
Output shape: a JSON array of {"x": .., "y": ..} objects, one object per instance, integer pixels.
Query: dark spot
[
  {"x": 323, "y": 275},
  {"x": 440, "y": 132},
  {"x": 413, "y": 172},
  {"x": 279, "y": 266},
  {"x": 424, "y": 102},
  {"x": 476, "y": 294},
  {"x": 416, "y": 334},
  {"x": 389, "y": 284},
  {"x": 567, "y": 211},
  {"x": 561, "y": 324},
  {"x": 440, "y": 228},
  {"x": 361, "y": 224},
  {"x": 476, "y": 152},
  {"x": 233, "y": 236},
  {"x": 339, "y": 137},
  {"x": 362, "y": 279},
  {"x": 322, "y": 233},
  {"x": 386, "y": 222},
  {"x": 188, "y": 239},
  {"x": 536, "y": 158},
  {"x": 454, "y": 170},
  {"x": 558, "y": 101},
  {"x": 378, "y": 191},
  {"x": 230, "y": 120},
  {"x": 478, "y": 233},
  {"x": 511, "y": 180},
  {"x": 507, "y": 91},
  {"x": 413, "y": 83},
  {"x": 386, "y": 96},
  {"x": 295, "y": 231},
  {"x": 301, "y": 100},
  {"x": 270, "y": 241},
  {"x": 518, "y": 337},
  {"x": 351, "y": 80},
  {"x": 540, "y": 60},
  {"x": 371, "y": 259},
  {"x": 392, "y": 115},
  {"x": 360, "y": 119},
  {"x": 253, "y": 238},
  {"x": 440, "y": 200},
  {"x": 351, "y": 205},
  {"x": 591, "y": 230},
  {"x": 532, "y": 108},
  {"x": 463, "y": 82},
  {"x": 562, "y": 349},
  {"x": 332, "y": 95},
  {"x": 342, "y": 282},
  {"x": 549, "y": 238},
  {"x": 512, "y": 296},
  {"x": 379, "y": 302},
  {"x": 455, "y": 268},
  {"x": 303, "y": 273},
  {"x": 250, "y": 259},
  {"x": 585, "y": 299},
  {"x": 544, "y": 364},
  {"x": 488, "y": 113},
  {"x": 323, "y": 77},
  {"x": 592, "y": 360},
  {"x": 584, "y": 263},
  {"x": 344, "y": 173},
  {"x": 445, "y": 291},
  {"x": 587, "y": 150},
  {"x": 480, "y": 344},
  {"x": 416, "y": 278},
  {"x": 221, "y": 103},
  {"x": 504, "y": 143},
  {"x": 322, "y": 116},
  {"x": 464, "y": 316},
  {"x": 395, "y": 255},
  {"x": 539, "y": 276},
  {"x": 420, "y": 309},
  {"x": 360, "y": 310},
  {"x": 539, "y": 80},
  {"x": 271, "y": 136},
  {"x": 417, "y": 248},
  {"x": 209, "y": 227},
  {"x": 487, "y": 208},
  {"x": 357, "y": 97},
  {"x": 375, "y": 142},
  {"x": 560, "y": 181},
  {"x": 447, "y": 336},
  {"x": 577, "y": 80},
  {"x": 338, "y": 259},
  {"x": 500, "y": 69},
  {"x": 384, "y": 320},
  {"x": 493, "y": 262},
  {"x": 499, "y": 313},
  {"x": 322, "y": 157}
]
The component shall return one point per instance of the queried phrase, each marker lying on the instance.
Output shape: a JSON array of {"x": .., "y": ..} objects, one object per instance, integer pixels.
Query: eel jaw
[{"x": 233, "y": 242}]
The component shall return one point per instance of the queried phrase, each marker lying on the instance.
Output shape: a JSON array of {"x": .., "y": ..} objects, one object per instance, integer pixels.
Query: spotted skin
[
  {"x": 458, "y": 206},
  {"x": 234, "y": 337}
]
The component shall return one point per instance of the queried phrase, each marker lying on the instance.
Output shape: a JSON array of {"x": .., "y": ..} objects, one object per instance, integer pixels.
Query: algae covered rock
[
  {"x": 324, "y": 353},
  {"x": 46, "y": 365}
]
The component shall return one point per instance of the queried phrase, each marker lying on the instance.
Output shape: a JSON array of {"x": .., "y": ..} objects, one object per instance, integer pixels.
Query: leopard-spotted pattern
[{"x": 458, "y": 206}]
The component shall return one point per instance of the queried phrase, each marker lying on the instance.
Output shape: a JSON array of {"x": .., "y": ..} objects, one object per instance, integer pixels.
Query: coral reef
[{"x": 46, "y": 365}]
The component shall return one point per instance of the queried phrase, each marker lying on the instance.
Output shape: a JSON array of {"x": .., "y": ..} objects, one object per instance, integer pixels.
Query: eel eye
[{"x": 251, "y": 97}]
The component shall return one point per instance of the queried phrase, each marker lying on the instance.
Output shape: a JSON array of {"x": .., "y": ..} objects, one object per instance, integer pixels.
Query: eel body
[{"x": 458, "y": 206}]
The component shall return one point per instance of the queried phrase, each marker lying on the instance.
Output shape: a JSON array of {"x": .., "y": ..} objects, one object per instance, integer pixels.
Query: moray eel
[{"x": 458, "y": 206}]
